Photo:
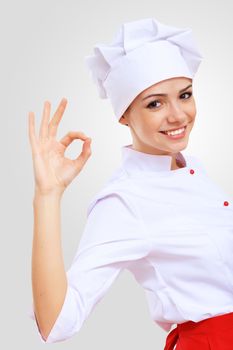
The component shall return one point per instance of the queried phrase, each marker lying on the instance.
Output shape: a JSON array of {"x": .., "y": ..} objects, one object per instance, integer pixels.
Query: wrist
[{"x": 48, "y": 195}]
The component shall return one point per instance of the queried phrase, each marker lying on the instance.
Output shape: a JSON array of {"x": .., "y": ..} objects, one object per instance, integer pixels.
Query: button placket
[{"x": 225, "y": 203}]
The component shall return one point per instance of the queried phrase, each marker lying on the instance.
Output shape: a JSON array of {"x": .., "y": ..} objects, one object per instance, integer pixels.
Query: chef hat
[{"x": 142, "y": 53}]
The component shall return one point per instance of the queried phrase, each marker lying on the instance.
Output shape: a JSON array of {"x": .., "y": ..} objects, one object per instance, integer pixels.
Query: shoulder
[{"x": 114, "y": 193}]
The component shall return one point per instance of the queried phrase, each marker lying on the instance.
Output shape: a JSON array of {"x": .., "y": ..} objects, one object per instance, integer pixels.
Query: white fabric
[
  {"x": 142, "y": 53},
  {"x": 170, "y": 228}
]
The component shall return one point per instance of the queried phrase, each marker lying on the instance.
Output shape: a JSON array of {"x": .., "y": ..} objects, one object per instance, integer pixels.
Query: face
[{"x": 167, "y": 105}]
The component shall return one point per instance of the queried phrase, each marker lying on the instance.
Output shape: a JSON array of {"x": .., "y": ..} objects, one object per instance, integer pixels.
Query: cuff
[{"x": 68, "y": 321}]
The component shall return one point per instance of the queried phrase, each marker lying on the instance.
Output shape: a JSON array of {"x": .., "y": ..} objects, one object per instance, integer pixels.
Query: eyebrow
[{"x": 166, "y": 94}]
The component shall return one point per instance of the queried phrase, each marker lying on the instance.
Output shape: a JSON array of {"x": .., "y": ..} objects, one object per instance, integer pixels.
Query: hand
[{"x": 52, "y": 171}]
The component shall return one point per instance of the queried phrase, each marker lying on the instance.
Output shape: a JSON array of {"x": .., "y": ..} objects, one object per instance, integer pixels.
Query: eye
[
  {"x": 151, "y": 104},
  {"x": 187, "y": 93}
]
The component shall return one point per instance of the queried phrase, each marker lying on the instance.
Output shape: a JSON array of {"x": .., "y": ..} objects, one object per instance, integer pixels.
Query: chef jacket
[{"x": 172, "y": 229}]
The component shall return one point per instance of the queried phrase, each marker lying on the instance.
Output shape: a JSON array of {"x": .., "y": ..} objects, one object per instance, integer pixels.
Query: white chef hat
[{"x": 142, "y": 53}]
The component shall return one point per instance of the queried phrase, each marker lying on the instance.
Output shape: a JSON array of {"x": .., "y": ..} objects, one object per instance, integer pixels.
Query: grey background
[{"x": 43, "y": 44}]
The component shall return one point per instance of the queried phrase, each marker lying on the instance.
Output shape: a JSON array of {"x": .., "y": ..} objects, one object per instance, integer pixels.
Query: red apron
[{"x": 214, "y": 333}]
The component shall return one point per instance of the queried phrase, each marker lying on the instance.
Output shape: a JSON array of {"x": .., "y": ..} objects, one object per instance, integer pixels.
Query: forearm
[{"x": 49, "y": 282}]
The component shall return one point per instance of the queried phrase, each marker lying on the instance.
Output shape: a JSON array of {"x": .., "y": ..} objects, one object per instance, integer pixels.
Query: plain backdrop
[{"x": 43, "y": 45}]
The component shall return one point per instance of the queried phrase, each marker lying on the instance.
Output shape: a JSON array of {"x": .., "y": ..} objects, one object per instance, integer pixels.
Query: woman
[{"x": 184, "y": 263}]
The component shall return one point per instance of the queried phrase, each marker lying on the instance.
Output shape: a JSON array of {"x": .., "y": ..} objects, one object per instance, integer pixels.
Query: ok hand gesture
[{"x": 52, "y": 171}]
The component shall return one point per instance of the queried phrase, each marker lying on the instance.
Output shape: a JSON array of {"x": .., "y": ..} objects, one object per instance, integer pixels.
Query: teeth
[{"x": 175, "y": 132}]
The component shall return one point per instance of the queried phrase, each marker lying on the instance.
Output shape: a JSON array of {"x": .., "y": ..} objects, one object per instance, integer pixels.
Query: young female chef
[{"x": 183, "y": 261}]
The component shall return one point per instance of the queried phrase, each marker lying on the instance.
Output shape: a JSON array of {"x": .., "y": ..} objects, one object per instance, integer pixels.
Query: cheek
[
  {"x": 147, "y": 123},
  {"x": 192, "y": 109},
  {"x": 152, "y": 125}
]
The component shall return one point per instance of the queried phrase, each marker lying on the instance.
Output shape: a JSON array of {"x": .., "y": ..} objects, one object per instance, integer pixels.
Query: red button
[
  {"x": 226, "y": 203},
  {"x": 191, "y": 171}
]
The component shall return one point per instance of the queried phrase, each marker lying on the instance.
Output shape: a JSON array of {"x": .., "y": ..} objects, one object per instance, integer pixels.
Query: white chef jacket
[{"x": 173, "y": 229}]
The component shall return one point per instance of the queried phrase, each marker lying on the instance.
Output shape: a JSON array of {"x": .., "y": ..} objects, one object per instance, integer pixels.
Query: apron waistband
[{"x": 207, "y": 326}]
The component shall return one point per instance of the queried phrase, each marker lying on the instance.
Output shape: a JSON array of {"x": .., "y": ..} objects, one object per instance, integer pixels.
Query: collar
[{"x": 140, "y": 161}]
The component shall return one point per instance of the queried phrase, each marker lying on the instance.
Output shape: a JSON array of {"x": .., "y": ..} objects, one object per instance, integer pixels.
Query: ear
[{"x": 123, "y": 120}]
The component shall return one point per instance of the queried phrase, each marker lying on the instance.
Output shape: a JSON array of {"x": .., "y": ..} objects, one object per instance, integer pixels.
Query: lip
[
  {"x": 178, "y": 136},
  {"x": 182, "y": 126}
]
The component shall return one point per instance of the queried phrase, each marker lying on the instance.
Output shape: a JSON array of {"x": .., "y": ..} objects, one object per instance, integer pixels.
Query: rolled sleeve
[{"x": 66, "y": 322}]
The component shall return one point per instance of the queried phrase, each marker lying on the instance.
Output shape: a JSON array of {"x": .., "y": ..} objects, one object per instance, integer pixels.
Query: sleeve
[{"x": 112, "y": 238}]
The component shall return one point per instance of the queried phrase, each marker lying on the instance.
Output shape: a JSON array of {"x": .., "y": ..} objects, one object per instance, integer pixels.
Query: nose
[{"x": 176, "y": 113}]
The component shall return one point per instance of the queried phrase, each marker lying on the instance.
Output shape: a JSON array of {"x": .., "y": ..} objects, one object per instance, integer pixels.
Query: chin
[{"x": 178, "y": 147}]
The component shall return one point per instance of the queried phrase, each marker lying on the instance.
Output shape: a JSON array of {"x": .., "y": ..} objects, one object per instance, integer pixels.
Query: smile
[{"x": 175, "y": 134}]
